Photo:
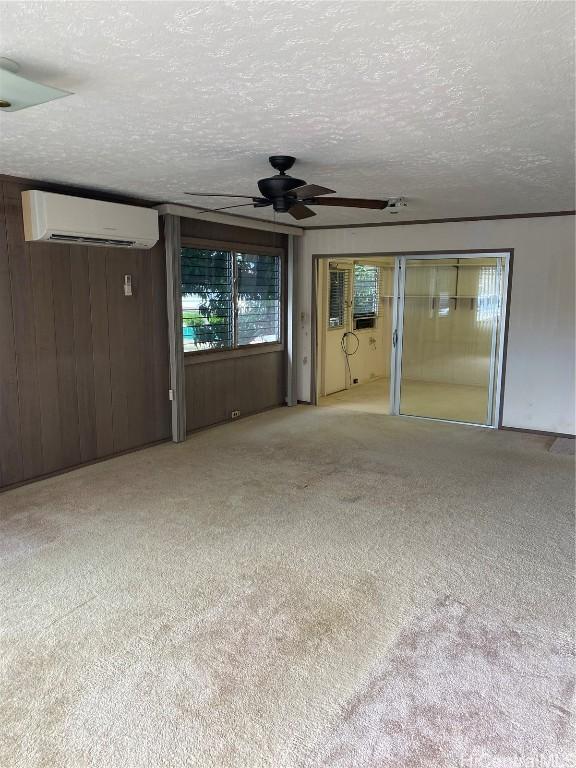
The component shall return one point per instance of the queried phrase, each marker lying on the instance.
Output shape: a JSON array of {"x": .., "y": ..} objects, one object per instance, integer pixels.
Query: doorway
[
  {"x": 355, "y": 324},
  {"x": 414, "y": 335}
]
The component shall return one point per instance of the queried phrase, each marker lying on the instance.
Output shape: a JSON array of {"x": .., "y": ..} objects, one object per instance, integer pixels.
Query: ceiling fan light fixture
[{"x": 17, "y": 92}]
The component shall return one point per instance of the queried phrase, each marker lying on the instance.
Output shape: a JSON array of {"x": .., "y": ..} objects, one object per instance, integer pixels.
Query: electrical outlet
[{"x": 235, "y": 414}]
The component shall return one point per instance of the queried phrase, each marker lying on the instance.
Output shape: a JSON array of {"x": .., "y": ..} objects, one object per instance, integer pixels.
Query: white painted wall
[{"x": 540, "y": 383}]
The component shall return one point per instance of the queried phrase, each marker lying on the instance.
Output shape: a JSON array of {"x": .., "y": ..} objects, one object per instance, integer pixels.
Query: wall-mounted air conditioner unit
[{"x": 79, "y": 221}]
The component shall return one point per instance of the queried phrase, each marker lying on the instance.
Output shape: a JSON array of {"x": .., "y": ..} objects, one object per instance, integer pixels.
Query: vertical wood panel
[
  {"x": 158, "y": 346},
  {"x": 83, "y": 353},
  {"x": 10, "y": 442},
  {"x": 145, "y": 299},
  {"x": 259, "y": 382},
  {"x": 208, "y": 393},
  {"x": 101, "y": 370},
  {"x": 24, "y": 335},
  {"x": 118, "y": 364},
  {"x": 136, "y": 381},
  {"x": 46, "y": 358},
  {"x": 65, "y": 354}
]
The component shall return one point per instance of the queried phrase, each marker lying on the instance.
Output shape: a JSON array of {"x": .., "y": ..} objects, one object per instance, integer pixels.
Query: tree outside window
[{"x": 229, "y": 299}]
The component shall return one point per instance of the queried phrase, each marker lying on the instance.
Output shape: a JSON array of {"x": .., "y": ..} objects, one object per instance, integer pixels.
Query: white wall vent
[{"x": 80, "y": 221}]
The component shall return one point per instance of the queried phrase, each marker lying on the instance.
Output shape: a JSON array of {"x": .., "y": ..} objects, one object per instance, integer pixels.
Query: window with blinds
[
  {"x": 229, "y": 299},
  {"x": 207, "y": 299},
  {"x": 365, "y": 291},
  {"x": 258, "y": 299},
  {"x": 337, "y": 298}
]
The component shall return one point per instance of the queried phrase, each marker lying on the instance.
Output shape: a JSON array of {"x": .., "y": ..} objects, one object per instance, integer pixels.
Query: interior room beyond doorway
[
  {"x": 413, "y": 336},
  {"x": 355, "y": 332}
]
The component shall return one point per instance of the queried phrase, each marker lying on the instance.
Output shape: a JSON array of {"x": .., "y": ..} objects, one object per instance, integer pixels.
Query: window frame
[
  {"x": 345, "y": 298},
  {"x": 198, "y": 355},
  {"x": 376, "y": 297}
]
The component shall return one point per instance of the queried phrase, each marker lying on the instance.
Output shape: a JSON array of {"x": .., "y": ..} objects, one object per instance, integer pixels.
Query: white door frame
[
  {"x": 498, "y": 334},
  {"x": 347, "y": 269}
]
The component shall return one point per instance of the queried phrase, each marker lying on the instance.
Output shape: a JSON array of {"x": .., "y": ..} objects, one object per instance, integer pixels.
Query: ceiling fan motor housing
[{"x": 276, "y": 188}]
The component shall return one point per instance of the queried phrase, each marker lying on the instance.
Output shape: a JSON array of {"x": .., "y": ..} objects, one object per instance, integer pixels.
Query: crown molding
[{"x": 445, "y": 221}]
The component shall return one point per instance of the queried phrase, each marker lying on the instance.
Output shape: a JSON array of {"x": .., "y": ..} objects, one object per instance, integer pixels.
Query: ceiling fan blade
[
  {"x": 349, "y": 202},
  {"x": 226, "y": 207},
  {"x": 309, "y": 190},
  {"x": 215, "y": 194},
  {"x": 300, "y": 211}
]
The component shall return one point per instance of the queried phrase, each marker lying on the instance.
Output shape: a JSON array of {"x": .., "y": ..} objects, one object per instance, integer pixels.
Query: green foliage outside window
[{"x": 229, "y": 299}]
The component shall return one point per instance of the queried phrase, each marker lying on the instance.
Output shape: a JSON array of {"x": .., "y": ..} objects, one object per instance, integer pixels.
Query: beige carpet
[
  {"x": 371, "y": 397},
  {"x": 309, "y": 587}
]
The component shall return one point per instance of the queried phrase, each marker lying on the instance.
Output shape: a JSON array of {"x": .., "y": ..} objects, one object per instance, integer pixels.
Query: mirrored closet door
[{"x": 449, "y": 336}]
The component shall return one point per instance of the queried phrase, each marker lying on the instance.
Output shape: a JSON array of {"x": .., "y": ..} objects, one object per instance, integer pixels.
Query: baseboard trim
[
  {"x": 66, "y": 470},
  {"x": 243, "y": 416},
  {"x": 541, "y": 432}
]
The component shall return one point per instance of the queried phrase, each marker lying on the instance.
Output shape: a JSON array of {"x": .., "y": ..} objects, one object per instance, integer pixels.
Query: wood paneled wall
[
  {"x": 238, "y": 236},
  {"x": 248, "y": 384},
  {"x": 83, "y": 369}
]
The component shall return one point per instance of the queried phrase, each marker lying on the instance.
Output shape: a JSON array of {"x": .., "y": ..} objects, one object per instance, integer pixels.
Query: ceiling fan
[{"x": 289, "y": 195}]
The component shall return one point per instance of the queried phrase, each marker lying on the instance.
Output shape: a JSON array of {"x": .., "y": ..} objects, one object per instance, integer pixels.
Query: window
[
  {"x": 258, "y": 299},
  {"x": 229, "y": 299},
  {"x": 365, "y": 291},
  {"x": 487, "y": 306},
  {"x": 337, "y": 298},
  {"x": 207, "y": 299}
]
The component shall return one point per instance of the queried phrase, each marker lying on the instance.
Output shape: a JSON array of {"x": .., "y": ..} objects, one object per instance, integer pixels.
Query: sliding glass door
[{"x": 448, "y": 337}]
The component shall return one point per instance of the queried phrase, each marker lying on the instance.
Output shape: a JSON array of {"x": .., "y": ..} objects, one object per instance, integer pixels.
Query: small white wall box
[{"x": 81, "y": 221}]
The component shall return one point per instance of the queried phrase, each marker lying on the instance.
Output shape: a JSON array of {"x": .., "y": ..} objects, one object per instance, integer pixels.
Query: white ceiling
[{"x": 464, "y": 108}]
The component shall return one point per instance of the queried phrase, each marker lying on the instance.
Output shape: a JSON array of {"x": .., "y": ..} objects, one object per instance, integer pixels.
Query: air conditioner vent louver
[
  {"x": 92, "y": 240},
  {"x": 81, "y": 221}
]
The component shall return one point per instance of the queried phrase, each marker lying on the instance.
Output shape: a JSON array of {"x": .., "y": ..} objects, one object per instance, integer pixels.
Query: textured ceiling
[{"x": 464, "y": 108}]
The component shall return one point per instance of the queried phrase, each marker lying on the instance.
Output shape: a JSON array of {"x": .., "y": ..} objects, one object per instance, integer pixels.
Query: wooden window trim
[
  {"x": 212, "y": 355},
  {"x": 229, "y": 245}
]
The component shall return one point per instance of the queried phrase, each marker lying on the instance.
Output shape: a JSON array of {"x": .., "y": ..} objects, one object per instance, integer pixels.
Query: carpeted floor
[
  {"x": 433, "y": 400},
  {"x": 308, "y": 587}
]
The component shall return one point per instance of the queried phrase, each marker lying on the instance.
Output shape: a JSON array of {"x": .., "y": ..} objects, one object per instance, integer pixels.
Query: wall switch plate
[
  {"x": 127, "y": 285},
  {"x": 235, "y": 414}
]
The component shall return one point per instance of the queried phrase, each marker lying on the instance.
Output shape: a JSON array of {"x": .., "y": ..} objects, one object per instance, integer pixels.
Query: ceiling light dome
[{"x": 17, "y": 92}]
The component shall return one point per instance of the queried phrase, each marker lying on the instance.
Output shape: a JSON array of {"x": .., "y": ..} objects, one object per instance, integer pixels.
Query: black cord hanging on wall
[{"x": 347, "y": 352}]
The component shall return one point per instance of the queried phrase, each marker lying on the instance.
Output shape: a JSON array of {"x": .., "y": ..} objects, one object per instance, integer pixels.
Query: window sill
[{"x": 211, "y": 356}]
